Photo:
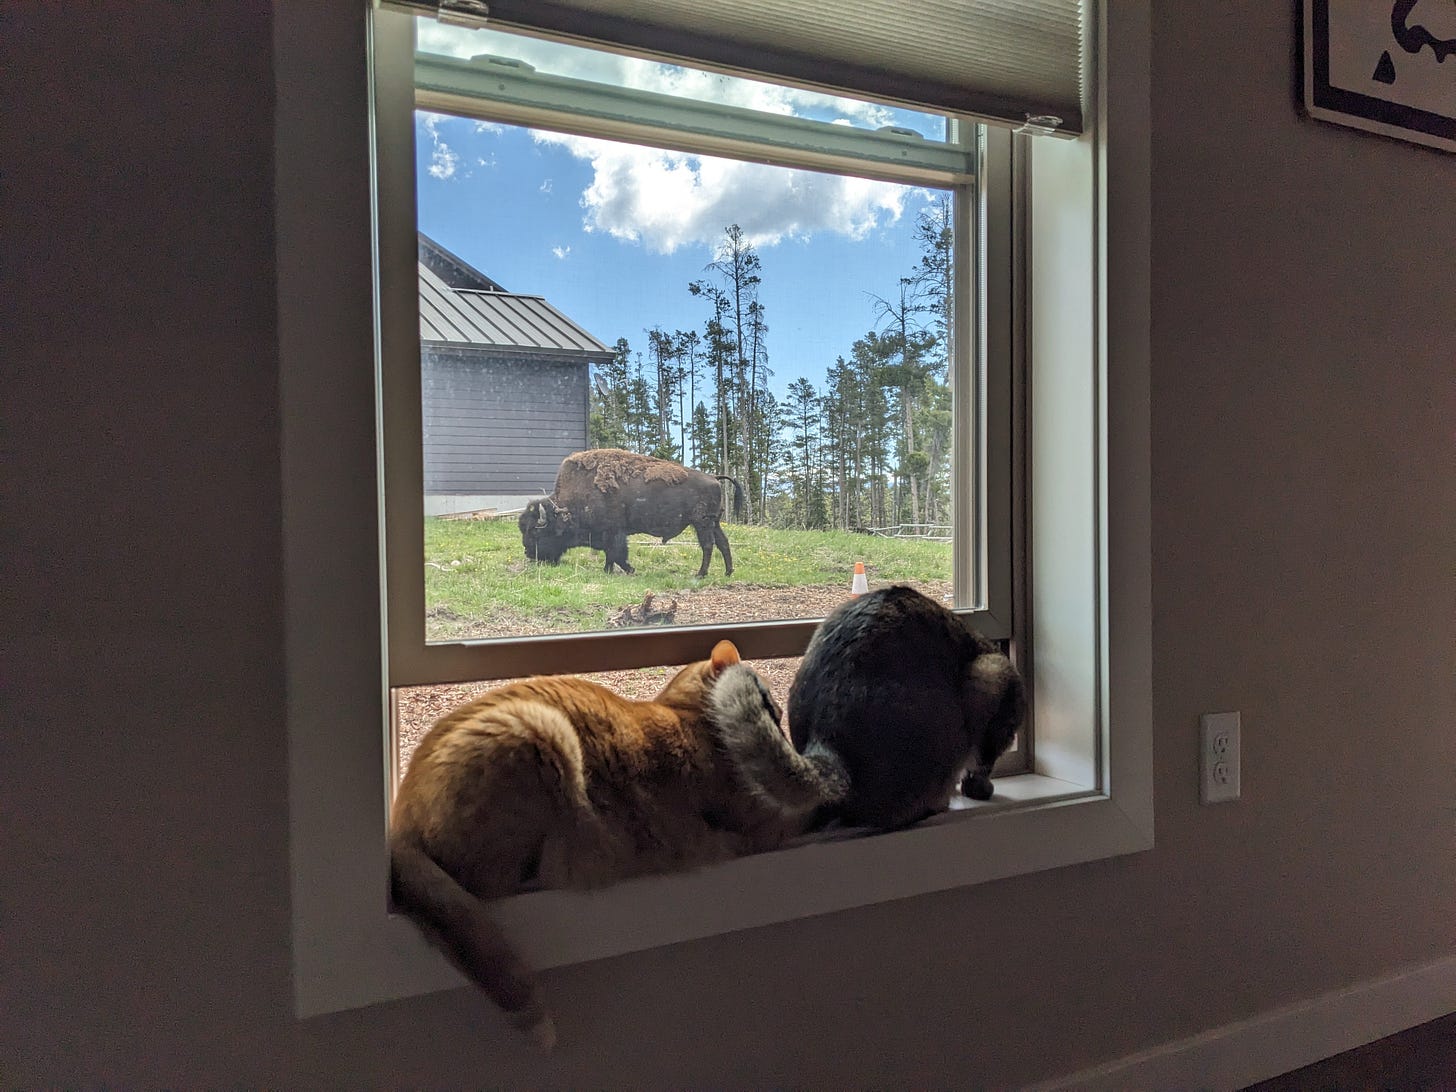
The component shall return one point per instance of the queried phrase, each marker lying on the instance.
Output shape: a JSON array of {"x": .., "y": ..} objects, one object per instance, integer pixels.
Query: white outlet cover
[{"x": 1218, "y": 764}]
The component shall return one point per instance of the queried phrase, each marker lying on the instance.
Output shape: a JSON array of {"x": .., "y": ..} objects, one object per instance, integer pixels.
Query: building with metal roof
[{"x": 504, "y": 385}]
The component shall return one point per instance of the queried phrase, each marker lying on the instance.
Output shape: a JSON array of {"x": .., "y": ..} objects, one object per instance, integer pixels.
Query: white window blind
[{"x": 1011, "y": 62}]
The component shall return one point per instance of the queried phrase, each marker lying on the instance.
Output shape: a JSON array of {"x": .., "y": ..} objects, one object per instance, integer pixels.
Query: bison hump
[{"x": 610, "y": 468}]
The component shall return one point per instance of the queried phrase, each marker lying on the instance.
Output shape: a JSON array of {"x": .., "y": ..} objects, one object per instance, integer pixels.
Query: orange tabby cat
[{"x": 558, "y": 782}]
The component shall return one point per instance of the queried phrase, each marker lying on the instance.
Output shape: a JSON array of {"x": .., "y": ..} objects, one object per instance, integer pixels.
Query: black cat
[{"x": 902, "y": 698}]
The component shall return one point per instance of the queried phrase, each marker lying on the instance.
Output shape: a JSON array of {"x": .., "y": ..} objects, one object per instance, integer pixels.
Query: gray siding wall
[{"x": 499, "y": 421}]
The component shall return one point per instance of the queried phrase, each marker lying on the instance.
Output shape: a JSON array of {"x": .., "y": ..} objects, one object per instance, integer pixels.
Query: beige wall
[{"x": 1303, "y": 500}]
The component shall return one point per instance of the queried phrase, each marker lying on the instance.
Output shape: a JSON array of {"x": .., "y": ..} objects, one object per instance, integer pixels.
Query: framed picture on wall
[{"x": 1386, "y": 67}]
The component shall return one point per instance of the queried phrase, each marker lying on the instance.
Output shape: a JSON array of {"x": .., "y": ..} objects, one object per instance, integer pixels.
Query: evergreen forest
[{"x": 866, "y": 447}]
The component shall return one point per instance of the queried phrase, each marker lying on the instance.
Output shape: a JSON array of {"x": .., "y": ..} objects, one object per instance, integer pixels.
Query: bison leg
[
  {"x": 722, "y": 541},
  {"x": 705, "y": 540},
  {"x": 617, "y": 553}
]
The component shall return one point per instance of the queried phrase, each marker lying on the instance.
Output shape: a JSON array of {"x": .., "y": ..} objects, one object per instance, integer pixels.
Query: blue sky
[{"x": 612, "y": 234}]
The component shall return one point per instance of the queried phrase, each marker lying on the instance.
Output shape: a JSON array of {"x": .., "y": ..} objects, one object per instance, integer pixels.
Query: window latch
[
  {"x": 471, "y": 14},
  {"x": 1035, "y": 124}
]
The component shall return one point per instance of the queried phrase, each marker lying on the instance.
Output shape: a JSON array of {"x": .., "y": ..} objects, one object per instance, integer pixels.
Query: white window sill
[
  {"x": 818, "y": 875},
  {"x": 973, "y": 843}
]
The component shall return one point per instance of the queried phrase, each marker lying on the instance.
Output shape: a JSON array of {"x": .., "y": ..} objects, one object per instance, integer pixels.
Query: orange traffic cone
[{"x": 859, "y": 585}]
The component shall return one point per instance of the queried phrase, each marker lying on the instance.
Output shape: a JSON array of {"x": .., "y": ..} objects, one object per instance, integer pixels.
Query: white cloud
[
  {"x": 666, "y": 200},
  {"x": 561, "y": 251},
  {"x": 443, "y": 159}
]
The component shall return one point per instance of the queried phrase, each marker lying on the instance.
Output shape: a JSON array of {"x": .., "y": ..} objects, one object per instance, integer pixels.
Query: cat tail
[
  {"x": 460, "y": 926},
  {"x": 795, "y": 786},
  {"x": 830, "y": 771},
  {"x": 798, "y": 785}
]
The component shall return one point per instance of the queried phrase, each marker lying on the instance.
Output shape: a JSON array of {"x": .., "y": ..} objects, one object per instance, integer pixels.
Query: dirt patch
[{"x": 419, "y": 707}]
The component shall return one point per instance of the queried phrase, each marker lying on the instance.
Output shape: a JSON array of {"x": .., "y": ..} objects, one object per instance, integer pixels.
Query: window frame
[
  {"x": 680, "y": 124},
  {"x": 1085, "y": 489}
]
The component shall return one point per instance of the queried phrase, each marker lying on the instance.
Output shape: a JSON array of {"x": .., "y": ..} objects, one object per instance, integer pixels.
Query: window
[
  {"x": 781, "y": 288},
  {"x": 753, "y": 280},
  {"x": 1079, "y": 329}
]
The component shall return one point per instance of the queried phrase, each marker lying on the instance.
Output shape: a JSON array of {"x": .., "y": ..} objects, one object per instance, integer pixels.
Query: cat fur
[
  {"x": 557, "y": 782},
  {"x": 905, "y": 702}
]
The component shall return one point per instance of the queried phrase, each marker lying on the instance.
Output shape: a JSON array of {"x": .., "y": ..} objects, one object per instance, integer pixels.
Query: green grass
[{"x": 477, "y": 569}]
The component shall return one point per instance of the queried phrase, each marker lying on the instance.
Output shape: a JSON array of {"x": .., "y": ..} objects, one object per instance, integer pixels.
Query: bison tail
[{"x": 737, "y": 495}]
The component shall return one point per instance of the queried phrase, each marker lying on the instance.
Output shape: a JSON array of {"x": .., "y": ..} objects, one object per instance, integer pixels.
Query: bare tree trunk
[{"x": 909, "y": 448}]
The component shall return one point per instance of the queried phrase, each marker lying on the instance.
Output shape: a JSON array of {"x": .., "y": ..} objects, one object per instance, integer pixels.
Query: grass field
[{"x": 476, "y": 572}]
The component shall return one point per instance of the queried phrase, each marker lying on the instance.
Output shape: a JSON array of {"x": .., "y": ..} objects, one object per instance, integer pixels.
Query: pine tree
[
  {"x": 768, "y": 443},
  {"x": 687, "y": 344},
  {"x": 934, "y": 277},
  {"x": 702, "y": 439},
  {"x": 641, "y": 417},
  {"x": 803, "y": 415},
  {"x": 719, "y": 359},
  {"x": 736, "y": 346},
  {"x": 608, "y": 399},
  {"x": 869, "y": 358},
  {"x": 761, "y": 422},
  {"x": 664, "y": 381},
  {"x": 843, "y": 412},
  {"x": 911, "y": 377},
  {"x": 934, "y": 280}
]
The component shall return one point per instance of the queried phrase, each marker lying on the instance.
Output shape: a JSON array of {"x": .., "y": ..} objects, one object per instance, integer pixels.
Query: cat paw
[{"x": 977, "y": 786}]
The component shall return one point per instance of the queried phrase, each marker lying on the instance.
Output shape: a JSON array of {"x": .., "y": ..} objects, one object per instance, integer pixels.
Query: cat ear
[{"x": 725, "y": 654}]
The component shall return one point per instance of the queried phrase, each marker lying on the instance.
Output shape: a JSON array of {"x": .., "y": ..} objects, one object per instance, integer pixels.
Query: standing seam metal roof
[{"x": 503, "y": 320}]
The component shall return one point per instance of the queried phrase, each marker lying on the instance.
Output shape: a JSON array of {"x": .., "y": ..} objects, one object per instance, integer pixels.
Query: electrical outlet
[{"x": 1219, "y": 757}]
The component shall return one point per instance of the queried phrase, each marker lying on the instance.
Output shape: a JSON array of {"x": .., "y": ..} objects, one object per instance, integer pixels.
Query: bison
[{"x": 605, "y": 494}]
